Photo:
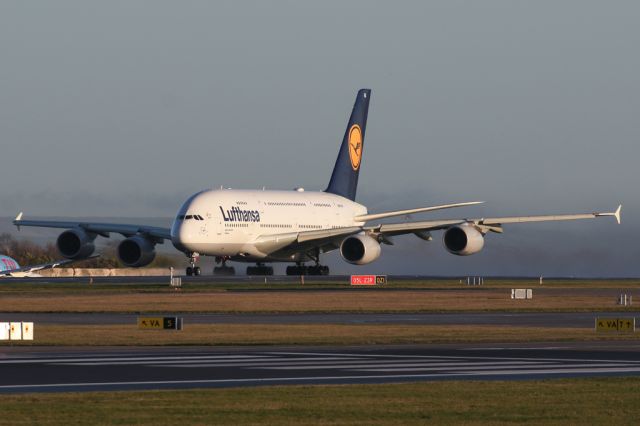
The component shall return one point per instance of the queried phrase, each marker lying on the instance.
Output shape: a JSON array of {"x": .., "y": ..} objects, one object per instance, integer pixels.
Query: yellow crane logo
[{"x": 355, "y": 146}]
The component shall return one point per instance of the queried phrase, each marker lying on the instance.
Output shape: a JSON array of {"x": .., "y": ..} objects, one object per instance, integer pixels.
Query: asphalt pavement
[
  {"x": 522, "y": 319},
  {"x": 105, "y": 369}
]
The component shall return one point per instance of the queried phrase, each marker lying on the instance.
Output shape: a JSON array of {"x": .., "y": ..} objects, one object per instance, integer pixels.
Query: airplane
[
  {"x": 10, "y": 268},
  {"x": 295, "y": 226}
]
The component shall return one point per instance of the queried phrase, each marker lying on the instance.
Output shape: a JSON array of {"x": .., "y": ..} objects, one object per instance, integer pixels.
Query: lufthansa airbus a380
[{"x": 297, "y": 226}]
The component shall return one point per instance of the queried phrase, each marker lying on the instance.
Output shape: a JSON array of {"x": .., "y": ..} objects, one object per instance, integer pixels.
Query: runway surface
[
  {"x": 522, "y": 319},
  {"x": 56, "y": 370}
]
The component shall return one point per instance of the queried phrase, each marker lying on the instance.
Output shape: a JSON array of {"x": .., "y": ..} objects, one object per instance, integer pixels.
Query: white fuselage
[
  {"x": 7, "y": 264},
  {"x": 229, "y": 223}
]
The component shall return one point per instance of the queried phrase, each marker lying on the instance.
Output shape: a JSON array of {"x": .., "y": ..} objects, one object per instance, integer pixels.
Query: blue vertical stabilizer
[{"x": 344, "y": 179}]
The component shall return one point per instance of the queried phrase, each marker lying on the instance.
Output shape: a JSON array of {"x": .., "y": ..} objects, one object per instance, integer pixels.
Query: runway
[
  {"x": 57, "y": 370},
  {"x": 522, "y": 319},
  {"x": 274, "y": 279}
]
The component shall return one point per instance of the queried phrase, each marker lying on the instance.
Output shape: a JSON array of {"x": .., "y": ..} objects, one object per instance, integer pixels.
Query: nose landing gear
[{"x": 193, "y": 269}]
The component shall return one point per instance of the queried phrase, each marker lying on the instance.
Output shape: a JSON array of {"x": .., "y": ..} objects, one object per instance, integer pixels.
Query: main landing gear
[
  {"x": 259, "y": 269},
  {"x": 193, "y": 269},
  {"x": 301, "y": 269},
  {"x": 223, "y": 269}
]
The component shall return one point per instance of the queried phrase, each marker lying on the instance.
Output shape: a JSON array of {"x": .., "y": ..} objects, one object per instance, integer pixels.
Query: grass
[
  {"x": 404, "y": 296},
  {"x": 146, "y": 299},
  {"x": 304, "y": 334},
  {"x": 547, "y": 402},
  {"x": 288, "y": 283},
  {"x": 126, "y": 301},
  {"x": 574, "y": 401}
]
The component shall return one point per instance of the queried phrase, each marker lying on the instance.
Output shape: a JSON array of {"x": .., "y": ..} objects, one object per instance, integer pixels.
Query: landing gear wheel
[
  {"x": 259, "y": 270},
  {"x": 318, "y": 270},
  {"x": 192, "y": 269},
  {"x": 298, "y": 270},
  {"x": 224, "y": 270}
]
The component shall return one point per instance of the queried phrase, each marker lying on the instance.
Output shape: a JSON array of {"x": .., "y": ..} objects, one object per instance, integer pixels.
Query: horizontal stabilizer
[{"x": 368, "y": 217}]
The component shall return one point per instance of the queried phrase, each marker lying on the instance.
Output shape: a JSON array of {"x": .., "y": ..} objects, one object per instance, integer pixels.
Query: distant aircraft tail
[{"x": 344, "y": 179}]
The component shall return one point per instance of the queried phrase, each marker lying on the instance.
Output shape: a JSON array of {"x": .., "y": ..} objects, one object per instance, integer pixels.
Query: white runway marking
[
  {"x": 202, "y": 361},
  {"x": 384, "y": 364},
  {"x": 254, "y": 368},
  {"x": 496, "y": 367},
  {"x": 62, "y": 386},
  {"x": 122, "y": 359}
]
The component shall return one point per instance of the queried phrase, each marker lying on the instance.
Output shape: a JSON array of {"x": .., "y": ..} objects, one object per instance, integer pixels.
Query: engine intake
[
  {"x": 76, "y": 244},
  {"x": 463, "y": 240},
  {"x": 360, "y": 249},
  {"x": 136, "y": 251}
]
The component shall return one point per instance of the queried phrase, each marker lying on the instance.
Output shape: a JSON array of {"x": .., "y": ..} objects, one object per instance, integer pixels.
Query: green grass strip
[{"x": 614, "y": 401}]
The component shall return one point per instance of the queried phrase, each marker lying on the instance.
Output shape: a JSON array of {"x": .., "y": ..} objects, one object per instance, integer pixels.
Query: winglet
[
  {"x": 615, "y": 214},
  {"x": 18, "y": 219}
]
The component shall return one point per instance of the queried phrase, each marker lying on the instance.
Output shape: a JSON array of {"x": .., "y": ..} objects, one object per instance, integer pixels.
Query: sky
[{"x": 125, "y": 108}]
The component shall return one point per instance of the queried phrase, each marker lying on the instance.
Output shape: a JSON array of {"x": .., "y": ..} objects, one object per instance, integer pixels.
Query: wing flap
[{"x": 391, "y": 229}]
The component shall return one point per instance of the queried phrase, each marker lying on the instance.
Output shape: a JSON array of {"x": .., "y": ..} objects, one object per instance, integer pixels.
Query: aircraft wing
[
  {"x": 102, "y": 229},
  {"x": 330, "y": 239},
  {"x": 493, "y": 224},
  {"x": 28, "y": 269}
]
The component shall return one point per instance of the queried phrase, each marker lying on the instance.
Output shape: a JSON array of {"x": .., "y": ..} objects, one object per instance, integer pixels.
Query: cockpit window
[{"x": 190, "y": 216}]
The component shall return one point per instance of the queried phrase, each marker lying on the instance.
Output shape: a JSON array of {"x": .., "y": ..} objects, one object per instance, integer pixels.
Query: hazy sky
[{"x": 125, "y": 108}]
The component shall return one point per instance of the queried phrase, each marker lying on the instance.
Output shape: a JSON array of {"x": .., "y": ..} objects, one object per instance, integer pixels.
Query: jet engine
[
  {"x": 463, "y": 240},
  {"x": 136, "y": 251},
  {"x": 360, "y": 249},
  {"x": 76, "y": 243}
]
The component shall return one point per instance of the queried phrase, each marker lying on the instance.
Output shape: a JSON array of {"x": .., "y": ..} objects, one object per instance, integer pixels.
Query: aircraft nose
[{"x": 181, "y": 235}]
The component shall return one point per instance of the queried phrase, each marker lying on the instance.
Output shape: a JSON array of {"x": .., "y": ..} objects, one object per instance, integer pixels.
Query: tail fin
[{"x": 344, "y": 179}]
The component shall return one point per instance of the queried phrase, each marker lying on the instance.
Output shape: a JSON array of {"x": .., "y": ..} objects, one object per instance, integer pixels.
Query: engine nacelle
[
  {"x": 463, "y": 240},
  {"x": 136, "y": 251},
  {"x": 76, "y": 243},
  {"x": 360, "y": 249}
]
